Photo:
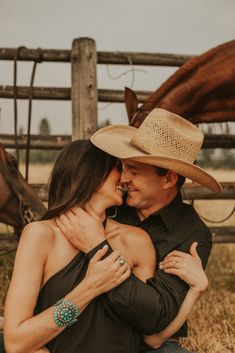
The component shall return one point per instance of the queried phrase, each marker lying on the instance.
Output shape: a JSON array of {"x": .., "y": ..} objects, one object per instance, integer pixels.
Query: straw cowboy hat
[{"x": 163, "y": 139}]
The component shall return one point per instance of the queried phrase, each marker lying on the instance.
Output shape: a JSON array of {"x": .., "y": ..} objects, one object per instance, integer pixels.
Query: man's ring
[
  {"x": 121, "y": 260},
  {"x": 174, "y": 263}
]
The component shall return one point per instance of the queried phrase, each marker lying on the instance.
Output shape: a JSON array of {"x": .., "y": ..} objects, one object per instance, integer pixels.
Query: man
[{"x": 156, "y": 158}]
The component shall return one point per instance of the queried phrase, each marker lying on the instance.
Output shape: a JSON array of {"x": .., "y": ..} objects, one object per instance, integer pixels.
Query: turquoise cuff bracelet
[{"x": 66, "y": 313}]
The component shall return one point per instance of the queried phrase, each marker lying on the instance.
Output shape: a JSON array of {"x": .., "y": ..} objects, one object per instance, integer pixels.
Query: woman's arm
[
  {"x": 143, "y": 254},
  {"x": 24, "y": 332},
  {"x": 189, "y": 268}
]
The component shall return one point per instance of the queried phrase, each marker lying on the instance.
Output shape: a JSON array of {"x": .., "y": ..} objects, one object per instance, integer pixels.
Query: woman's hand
[
  {"x": 154, "y": 341},
  {"x": 83, "y": 229},
  {"x": 187, "y": 266},
  {"x": 104, "y": 275}
]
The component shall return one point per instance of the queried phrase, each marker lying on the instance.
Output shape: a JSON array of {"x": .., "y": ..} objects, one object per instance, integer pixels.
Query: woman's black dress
[{"x": 98, "y": 329}]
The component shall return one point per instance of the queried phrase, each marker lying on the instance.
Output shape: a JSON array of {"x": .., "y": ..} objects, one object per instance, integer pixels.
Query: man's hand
[{"x": 83, "y": 229}]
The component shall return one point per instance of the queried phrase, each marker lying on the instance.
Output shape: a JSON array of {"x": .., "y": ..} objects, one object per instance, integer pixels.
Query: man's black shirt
[
  {"x": 175, "y": 226},
  {"x": 151, "y": 307}
]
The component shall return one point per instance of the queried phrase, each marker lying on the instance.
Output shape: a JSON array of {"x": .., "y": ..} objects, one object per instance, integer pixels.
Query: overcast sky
[{"x": 170, "y": 26}]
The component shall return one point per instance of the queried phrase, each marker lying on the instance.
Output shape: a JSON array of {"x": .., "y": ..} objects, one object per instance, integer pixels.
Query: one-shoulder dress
[{"x": 98, "y": 328}]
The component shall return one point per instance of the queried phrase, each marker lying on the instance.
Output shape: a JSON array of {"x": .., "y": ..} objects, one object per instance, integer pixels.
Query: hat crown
[{"x": 167, "y": 134}]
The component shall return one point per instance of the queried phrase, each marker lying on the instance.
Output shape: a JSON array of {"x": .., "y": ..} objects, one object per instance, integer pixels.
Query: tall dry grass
[{"x": 212, "y": 322}]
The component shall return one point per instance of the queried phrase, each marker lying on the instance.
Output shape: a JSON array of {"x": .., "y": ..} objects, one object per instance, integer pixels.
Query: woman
[{"x": 48, "y": 268}]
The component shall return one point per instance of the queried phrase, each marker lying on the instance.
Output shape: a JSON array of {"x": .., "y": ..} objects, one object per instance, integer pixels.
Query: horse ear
[{"x": 131, "y": 103}]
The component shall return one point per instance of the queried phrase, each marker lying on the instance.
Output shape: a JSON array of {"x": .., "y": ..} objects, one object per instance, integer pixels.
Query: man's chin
[{"x": 131, "y": 202}]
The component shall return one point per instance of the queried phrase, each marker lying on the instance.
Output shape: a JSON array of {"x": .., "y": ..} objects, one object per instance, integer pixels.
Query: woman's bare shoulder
[
  {"x": 128, "y": 232},
  {"x": 38, "y": 232}
]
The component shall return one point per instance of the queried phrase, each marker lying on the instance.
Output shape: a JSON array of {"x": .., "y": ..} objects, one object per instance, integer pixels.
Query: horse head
[
  {"x": 201, "y": 90},
  {"x": 19, "y": 203}
]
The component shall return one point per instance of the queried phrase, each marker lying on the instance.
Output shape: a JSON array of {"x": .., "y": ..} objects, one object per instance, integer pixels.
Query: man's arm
[
  {"x": 148, "y": 307},
  {"x": 151, "y": 307}
]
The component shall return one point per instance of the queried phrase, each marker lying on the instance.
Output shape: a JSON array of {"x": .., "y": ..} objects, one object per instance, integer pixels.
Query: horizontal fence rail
[
  {"x": 59, "y": 141},
  {"x": 8, "y": 242},
  {"x": 103, "y": 57},
  {"x": 64, "y": 93},
  {"x": 189, "y": 192}
]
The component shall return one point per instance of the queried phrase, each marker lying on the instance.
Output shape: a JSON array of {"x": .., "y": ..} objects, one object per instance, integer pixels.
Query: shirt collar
[{"x": 170, "y": 213}]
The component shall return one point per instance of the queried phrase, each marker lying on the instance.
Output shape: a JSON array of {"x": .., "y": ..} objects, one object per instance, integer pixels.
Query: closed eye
[{"x": 119, "y": 166}]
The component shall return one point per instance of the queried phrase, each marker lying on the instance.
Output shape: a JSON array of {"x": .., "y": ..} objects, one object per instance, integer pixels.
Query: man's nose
[{"x": 125, "y": 176}]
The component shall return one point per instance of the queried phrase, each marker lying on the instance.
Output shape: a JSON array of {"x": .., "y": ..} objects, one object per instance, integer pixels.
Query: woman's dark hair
[{"x": 79, "y": 171}]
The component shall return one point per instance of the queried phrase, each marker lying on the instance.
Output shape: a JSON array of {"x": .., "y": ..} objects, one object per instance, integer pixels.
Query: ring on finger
[
  {"x": 121, "y": 260},
  {"x": 174, "y": 263}
]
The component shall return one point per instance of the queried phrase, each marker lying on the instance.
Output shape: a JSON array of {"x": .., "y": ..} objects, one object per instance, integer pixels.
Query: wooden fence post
[{"x": 84, "y": 88}]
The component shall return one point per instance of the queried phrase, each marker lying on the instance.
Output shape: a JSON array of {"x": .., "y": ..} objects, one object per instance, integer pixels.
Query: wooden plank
[
  {"x": 28, "y": 54},
  {"x": 197, "y": 192},
  {"x": 135, "y": 58},
  {"x": 117, "y": 96},
  {"x": 39, "y": 93},
  {"x": 219, "y": 141},
  {"x": 219, "y": 235},
  {"x": 223, "y": 239},
  {"x": 59, "y": 141},
  {"x": 8, "y": 242},
  {"x": 222, "y": 231},
  {"x": 1, "y": 323},
  {"x": 84, "y": 88},
  {"x": 188, "y": 192},
  {"x": 64, "y": 93},
  {"x": 52, "y": 142},
  {"x": 103, "y": 57}
]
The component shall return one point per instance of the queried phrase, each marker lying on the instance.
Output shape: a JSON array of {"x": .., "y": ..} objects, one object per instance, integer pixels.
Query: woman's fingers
[
  {"x": 177, "y": 253},
  {"x": 174, "y": 262},
  {"x": 174, "y": 271},
  {"x": 64, "y": 220},
  {"x": 99, "y": 254},
  {"x": 192, "y": 251},
  {"x": 107, "y": 273},
  {"x": 124, "y": 275},
  {"x": 60, "y": 224}
]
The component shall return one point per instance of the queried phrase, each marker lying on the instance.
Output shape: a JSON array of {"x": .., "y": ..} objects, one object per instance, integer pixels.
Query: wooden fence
[{"x": 84, "y": 95}]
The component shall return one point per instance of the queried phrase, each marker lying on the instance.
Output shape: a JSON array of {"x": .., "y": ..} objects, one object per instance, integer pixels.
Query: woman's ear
[{"x": 171, "y": 179}]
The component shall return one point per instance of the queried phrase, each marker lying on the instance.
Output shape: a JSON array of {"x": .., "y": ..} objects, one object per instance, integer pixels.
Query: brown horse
[
  {"x": 19, "y": 204},
  {"x": 201, "y": 90}
]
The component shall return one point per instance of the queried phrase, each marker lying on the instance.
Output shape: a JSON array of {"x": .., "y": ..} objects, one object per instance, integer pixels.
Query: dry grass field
[{"x": 212, "y": 322}]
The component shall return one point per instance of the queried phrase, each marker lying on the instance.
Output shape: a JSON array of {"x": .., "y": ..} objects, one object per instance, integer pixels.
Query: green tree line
[{"x": 41, "y": 156}]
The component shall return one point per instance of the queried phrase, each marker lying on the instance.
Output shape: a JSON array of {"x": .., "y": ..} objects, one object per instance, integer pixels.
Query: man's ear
[{"x": 171, "y": 179}]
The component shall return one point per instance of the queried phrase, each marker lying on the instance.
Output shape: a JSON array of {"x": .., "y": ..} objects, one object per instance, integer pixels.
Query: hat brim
[{"x": 116, "y": 141}]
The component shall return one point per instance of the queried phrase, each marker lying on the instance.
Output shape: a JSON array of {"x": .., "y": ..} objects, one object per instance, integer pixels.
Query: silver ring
[
  {"x": 121, "y": 260},
  {"x": 174, "y": 263}
]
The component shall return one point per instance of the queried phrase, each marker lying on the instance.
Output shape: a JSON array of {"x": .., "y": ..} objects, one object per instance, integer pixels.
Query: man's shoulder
[{"x": 190, "y": 217}]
